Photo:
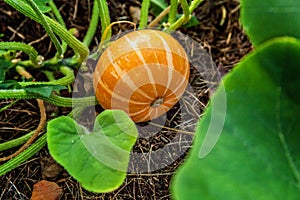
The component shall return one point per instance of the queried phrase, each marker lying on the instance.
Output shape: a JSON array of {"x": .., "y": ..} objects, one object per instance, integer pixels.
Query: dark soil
[{"x": 222, "y": 37}]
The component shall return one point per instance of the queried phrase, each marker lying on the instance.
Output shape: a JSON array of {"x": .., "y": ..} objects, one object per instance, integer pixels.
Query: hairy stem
[
  {"x": 25, "y": 155},
  {"x": 75, "y": 44},
  {"x": 104, "y": 17},
  {"x": 56, "y": 13},
  {"x": 18, "y": 46},
  {"x": 173, "y": 11},
  {"x": 34, "y": 135},
  {"x": 15, "y": 142},
  {"x": 66, "y": 80},
  {"x": 53, "y": 99},
  {"x": 92, "y": 26},
  {"x": 60, "y": 20},
  {"x": 187, "y": 10},
  {"x": 144, "y": 14},
  {"x": 45, "y": 24}
]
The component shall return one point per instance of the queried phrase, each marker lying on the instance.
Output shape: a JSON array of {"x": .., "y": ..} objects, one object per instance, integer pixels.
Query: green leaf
[
  {"x": 257, "y": 155},
  {"x": 97, "y": 159},
  {"x": 42, "y": 4},
  {"x": 263, "y": 20},
  {"x": 5, "y": 65},
  {"x": 9, "y": 84},
  {"x": 157, "y": 6},
  {"x": 7, "y": 55},
  {"x": 44, "y": 90},
  {"x": 3, "y": 53}
]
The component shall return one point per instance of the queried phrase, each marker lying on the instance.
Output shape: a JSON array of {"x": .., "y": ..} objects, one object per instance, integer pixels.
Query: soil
[{"x": 219, "y": 32}]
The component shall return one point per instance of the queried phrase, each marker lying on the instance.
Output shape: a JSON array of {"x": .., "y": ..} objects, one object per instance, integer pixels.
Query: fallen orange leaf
[{"x": 46, "y": 190}]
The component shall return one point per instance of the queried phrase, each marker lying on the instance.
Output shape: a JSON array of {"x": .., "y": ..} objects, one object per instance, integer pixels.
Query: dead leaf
[
  {"x": 135, "y": 13},
  {"x": 50, "y": 169},
  {"x": 46, "y": 190}
]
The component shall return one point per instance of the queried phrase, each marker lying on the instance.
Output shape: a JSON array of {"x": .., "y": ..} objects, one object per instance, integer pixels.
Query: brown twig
[
  {"x": 40, "y": 127},
  {"x": 159, "y": 17}
]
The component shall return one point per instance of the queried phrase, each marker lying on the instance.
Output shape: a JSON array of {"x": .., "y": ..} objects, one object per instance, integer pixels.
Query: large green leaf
[
  {"x": 263, "y": 20},
  {"x": 97, "y": 159},
  {"x": 257, "y": 155}
]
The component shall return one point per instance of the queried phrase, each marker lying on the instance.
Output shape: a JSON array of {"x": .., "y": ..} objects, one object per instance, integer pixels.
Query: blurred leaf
[
  {"x": 2, "y": 52},
  {"x": 258, "y": 153},
  {"x": 263, "y": 20},
  {"x": 5, "y": 65},
  {"x": 7, "y": 54},
  {"x": 157, "y": 6},
  {"x": 97, "y": 159},
  {"x": 9, "y": 84}
]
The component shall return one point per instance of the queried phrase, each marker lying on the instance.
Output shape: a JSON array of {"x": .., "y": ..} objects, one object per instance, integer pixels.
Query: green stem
[
  {"x": 60, "y": 20},
  {"x": 187, "y": 12},
  {"x": 15, "y": 142},
  {"x": 173, "y": 11},
  {"x": 9, "y": 105},
  {"x": 49, "y": 75},
  {"x": 76, "y": 112},
  {"x": 194, "y": 5},
  {"x": 74, "y": 60},
  {"x": 56, "y": 13},
  {"x": 25, "y": 155},
  {"x": 93, "y": 25},
  {"x": 144, "y": 14},
  {"x": 104, "y": 17},
  {"x": 66, "y": 80},
  {"x": 45, "y": 24},
  {"x": 30, "y": 151},
  {"x": 53, "y": 99},
  {"x": 75, "y": 44},
  {"x": 18, "y": 46}
]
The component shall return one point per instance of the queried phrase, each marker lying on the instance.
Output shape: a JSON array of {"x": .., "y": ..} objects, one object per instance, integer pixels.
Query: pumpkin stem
[{"x": 157, "y": 102}]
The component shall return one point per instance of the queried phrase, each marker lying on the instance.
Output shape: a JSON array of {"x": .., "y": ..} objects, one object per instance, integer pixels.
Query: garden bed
[{"x": 219, "y": 32}]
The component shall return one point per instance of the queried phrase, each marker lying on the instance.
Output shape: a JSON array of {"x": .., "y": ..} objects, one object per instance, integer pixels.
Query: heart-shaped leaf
[
  {"x": 97, "y": 159},
  {"x": 264, "y": 20},
  {"x": 257, "y": 155}
]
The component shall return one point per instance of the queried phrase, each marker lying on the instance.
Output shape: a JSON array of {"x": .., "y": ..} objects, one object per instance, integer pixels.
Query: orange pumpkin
[{"x": 144, "y": 73}]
